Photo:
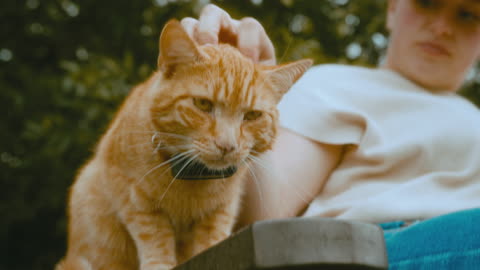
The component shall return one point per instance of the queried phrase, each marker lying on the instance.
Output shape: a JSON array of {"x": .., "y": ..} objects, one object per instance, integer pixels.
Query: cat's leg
[
  {"x": 154, "y": 238},
  {"x": 97, "y": 239},
  {"x": 81, "y": 263},
  {"x": 99, "y": 242},
  {"x": 75, "y": 263},
  {"x": 212, "y": 229}
]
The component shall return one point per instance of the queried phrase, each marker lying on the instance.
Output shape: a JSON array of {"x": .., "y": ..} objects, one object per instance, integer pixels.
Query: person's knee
[{"x": 454, "y": 234}]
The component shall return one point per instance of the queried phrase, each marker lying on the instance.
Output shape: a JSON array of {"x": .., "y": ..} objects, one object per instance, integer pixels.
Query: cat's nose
[{"x": 225, "y": 147}]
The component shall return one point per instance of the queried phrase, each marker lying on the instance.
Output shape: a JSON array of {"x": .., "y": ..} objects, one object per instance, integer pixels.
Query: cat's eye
[
  {"x": 252, "y": 115},
  {"x": 203, "y": 104},
  {"x": 467, "y": 16},
  {"x": 425, "y": 3}
]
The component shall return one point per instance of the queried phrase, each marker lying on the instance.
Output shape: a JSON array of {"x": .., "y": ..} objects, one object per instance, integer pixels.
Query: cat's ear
[
  {"x": 176, "y": 48},
  {"x": 284, "y": 76}
]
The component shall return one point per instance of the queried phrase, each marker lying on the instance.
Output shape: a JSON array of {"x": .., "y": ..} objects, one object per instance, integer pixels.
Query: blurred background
[{"x": 65, "y": 65}]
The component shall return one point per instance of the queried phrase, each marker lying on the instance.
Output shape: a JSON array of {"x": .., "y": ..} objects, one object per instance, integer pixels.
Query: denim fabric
[{"x": 446, "y": 242}]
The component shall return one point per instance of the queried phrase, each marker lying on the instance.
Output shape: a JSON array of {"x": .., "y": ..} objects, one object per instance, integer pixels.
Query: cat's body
[{"x": 207, "y": 104}]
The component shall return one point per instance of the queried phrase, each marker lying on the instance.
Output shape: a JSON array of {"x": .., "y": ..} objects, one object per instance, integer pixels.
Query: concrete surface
[{"x": 299, "y": 243}]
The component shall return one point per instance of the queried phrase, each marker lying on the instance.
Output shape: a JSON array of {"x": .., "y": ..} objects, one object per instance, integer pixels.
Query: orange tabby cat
[{"x": 166, "y": 179}]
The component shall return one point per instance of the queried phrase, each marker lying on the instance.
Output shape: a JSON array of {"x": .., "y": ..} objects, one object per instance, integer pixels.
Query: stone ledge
[{"x": 299, "y": 243}]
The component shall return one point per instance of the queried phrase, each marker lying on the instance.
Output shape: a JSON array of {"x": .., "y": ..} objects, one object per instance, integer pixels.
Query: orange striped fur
[{"x": 126, "y": 210}]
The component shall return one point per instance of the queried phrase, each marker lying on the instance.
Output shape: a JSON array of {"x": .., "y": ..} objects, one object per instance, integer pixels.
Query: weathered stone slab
[{"x": 299, "y": 243}]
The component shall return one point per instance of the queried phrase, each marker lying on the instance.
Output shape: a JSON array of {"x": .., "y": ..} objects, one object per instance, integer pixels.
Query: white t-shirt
[{"x": 412, "y": 154}]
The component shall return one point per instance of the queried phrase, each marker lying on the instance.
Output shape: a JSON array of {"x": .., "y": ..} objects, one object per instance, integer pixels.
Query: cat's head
[{"x": 212, "y": 105}]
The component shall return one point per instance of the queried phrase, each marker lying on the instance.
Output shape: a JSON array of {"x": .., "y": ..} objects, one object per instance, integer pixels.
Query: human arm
[{"x": 289, "y": 177}]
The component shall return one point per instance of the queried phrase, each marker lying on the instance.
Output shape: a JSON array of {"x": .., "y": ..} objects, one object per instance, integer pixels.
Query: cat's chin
[{"x": 197, "y": 170}]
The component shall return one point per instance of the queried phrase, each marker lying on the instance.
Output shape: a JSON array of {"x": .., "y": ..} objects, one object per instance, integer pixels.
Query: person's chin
[{"x": 433, "y": 80}]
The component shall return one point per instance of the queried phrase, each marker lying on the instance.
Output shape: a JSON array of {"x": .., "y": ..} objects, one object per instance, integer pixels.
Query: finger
[
  {"x": 189, "y": 24},
  {"x": 267, "y": 52},
  {"x": 254, "y": 42},
  {"x": 248, "y": 42},
  {"x": 212, "y": 20}
]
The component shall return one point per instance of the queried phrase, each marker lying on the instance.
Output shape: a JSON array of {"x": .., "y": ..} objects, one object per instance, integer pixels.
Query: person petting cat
[
  {"x": 166, "y": 178},
  {"x": 394, "y": 145}
]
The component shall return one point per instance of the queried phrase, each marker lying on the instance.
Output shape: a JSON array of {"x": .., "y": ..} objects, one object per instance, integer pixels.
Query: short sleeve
[{"x": 318, "y": 108}]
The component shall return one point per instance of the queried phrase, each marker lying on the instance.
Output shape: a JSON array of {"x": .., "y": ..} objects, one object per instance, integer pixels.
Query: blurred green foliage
[{"x": 65, "y": 65}]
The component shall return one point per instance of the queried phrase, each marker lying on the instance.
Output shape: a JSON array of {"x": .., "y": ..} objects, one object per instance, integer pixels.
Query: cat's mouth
[{"x": 196, "y": 170}]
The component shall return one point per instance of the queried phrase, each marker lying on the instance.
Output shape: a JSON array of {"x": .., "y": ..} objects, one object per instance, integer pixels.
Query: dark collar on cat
[{"x": 196, "y": 170}]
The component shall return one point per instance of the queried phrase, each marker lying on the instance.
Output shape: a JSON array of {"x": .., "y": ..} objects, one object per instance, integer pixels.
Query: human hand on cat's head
[{"x": 216, "y": 26}]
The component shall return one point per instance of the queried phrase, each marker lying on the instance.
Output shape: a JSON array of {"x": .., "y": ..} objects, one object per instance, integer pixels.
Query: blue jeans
[{"x": 446, "y": 242}]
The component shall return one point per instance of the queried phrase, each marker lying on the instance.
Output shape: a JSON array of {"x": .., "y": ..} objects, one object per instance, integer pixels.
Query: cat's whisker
[
  {"x": 173, "y": 147},
  {"x": 258, "y": 161},
  {"x": 173, "y": 135},
  {"x": 192, "y": 158},
  {"x": 201, "y": 147},
  {"x": 154, "y": 133},
  {"x": 296, "y": 189},
  {"x": 134, "y": 145},
  {"x": 257, "y": 184},
  {"x": 176, "y": 162},
  {"x": 256, "y": 180},
  {"x": 164, "y": 163},
  {"x": 255, "y": 152},
  {"x": 280, "y": 60}
]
